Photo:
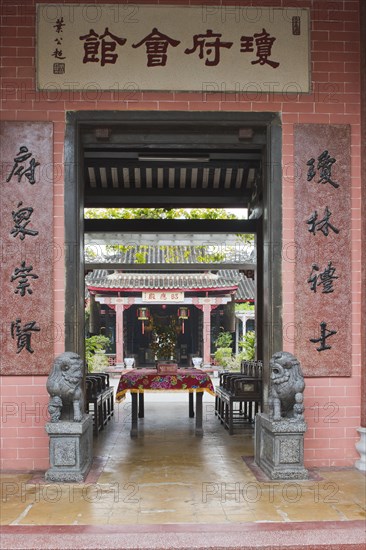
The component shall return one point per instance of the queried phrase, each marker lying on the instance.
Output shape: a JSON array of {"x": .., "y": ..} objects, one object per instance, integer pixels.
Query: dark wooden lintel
[
  {"x": 170, "y": 226},
  {"x": 170, "y": 268}
]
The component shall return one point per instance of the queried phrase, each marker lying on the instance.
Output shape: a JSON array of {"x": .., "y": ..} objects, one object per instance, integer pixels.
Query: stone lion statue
[
  {"x": 64, "y": 385},
  {"x": 286, "y": 387}
]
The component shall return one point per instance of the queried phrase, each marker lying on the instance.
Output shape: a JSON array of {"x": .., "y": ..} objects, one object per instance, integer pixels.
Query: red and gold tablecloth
[{"x": 141, "y": 380}]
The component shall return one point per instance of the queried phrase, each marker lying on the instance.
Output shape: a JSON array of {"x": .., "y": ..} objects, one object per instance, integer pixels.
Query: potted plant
[
  {"x": 164, "y": 341},
  {"x": 224, "y": 349},
  {"x": 222, "y": 356}
]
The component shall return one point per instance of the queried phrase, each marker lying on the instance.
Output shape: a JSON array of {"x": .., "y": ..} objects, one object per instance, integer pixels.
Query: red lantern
[
  {"x": 183, "y": 313},
  {"x": 143, "y": 314}
]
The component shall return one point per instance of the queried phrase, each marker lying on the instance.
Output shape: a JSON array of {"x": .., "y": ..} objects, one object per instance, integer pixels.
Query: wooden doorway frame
[{"x": 269, "y": 235}]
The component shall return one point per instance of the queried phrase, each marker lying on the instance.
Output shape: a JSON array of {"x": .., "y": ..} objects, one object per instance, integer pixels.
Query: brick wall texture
[{"x": 332, "y": 404}]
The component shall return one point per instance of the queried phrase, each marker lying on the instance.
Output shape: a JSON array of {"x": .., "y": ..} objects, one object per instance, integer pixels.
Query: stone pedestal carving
[
  {"x": 279, "y": 435},
  {"x": 71, "y": 450},
  {"x": 70, "y": 429},
  {"x": 279, "y": 447}
]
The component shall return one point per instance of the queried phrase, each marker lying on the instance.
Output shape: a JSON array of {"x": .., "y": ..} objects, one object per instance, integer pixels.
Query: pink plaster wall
[{"x": 333, "y": 404}]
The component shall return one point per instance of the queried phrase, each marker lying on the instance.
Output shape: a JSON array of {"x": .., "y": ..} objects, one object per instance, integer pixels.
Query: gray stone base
[
  {"x": 71, "y": 450},
  {"x": 361, "y": 449},
  {"x": 279, "y": 448}
]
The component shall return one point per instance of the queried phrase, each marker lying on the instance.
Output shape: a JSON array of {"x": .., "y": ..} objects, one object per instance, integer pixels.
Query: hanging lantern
[
  {"x": 183, "y": 314},
  {"x": 143, "y": 314}
]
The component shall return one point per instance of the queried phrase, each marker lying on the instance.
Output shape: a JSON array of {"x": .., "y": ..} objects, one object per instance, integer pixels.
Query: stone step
[{"x": 327, "y": 535}]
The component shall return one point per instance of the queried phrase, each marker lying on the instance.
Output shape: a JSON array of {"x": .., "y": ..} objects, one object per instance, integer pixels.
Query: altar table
[{"x": 138, "y": 381}]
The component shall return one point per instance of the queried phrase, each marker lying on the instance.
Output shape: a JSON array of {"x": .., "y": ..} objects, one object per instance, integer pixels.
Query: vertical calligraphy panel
[
  {"x": 26, "y": 230},
  {"x": 323, "y": 243}
]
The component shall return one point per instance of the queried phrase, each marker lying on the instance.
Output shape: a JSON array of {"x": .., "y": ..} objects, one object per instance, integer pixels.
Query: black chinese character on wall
[
  {"x": 324, "y": 334},
  {"x": 322, "y": 225},
  {"x": 59, "y": 68},
  {"x": 208, "y": 46},
  {"x": 23, "y": 334},
  {"x": 264, "y": 43},
  {"x": 97, "y": 45},
  {"x": 21, "y": 219},
  {"x": 58, "y": 54},
  {"x": 58, "y": 26},
  {"x": 325, "y": 163},
  {"x": 157, "y": 45},
  {"x": 324, "y": 278},
  {"x": 19, "y": 169},
  {"x": 22, "y": 275}
]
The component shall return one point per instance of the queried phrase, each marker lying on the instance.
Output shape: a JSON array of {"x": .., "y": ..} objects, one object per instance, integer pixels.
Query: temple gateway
[
  {"x": 198, "y": 305},
  {"x": 173, "y": 106}
]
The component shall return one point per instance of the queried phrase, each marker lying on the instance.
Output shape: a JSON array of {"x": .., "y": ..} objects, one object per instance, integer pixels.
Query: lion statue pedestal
[
  {"x": 70, "y": 430},
  {"x": 279, "y": 435}
]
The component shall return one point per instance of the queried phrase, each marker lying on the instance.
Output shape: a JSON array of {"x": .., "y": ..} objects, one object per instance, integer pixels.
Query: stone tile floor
[{"x": 170, "y": 477}]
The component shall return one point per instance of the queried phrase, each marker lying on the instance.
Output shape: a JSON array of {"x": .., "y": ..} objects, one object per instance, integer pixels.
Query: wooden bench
[
  {"x": 99, "y": 400},
  {"x": 239, "y": 395}
]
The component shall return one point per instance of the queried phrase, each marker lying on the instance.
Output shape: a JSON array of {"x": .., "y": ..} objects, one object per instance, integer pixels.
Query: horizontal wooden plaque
[{"x": 129, "y": 48}]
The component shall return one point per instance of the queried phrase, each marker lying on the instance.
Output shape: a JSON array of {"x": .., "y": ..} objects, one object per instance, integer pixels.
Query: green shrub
[
  {"x": 223, "y": 356},
  {"x": 247, "y": 345},
  {"x": 224, "y": 340},
  {"x": 93, "y": 345}
]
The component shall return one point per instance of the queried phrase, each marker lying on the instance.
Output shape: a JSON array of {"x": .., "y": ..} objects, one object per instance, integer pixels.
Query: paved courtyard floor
[{"x": 171, "y": 489}]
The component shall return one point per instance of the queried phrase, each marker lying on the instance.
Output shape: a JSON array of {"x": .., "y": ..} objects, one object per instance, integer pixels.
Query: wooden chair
[
  {"x": 94, "y": 400},
  {"x": 242, "y": 402},
  {"x": 221, "y": 393},
  {"x": 239, "y": 396},
  {"x": 107, "y": 397},
  {"x": 101, "y": 396}
]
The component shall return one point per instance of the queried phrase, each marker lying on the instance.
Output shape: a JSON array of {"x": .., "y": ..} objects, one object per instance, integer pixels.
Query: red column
[
  {"x": 119, "y": 333},
  {"x": 206, "y": 333}
]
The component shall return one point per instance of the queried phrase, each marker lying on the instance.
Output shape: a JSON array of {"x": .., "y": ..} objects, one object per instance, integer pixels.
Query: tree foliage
[
  {"x": 159, "y": 214},
  {"x": 204, "y": 253},
  {"x": 244, "y": 306}
]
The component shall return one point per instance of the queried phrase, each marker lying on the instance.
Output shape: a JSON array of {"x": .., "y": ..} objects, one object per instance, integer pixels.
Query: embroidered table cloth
[{"x": 141, "y": 380}]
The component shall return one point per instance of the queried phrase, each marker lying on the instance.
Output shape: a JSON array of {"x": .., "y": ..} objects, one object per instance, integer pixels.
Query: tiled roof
[
  {"x": 224, "y": 279},
  {"x": 246, "y": 287},
  {"x": 179, "y": 254},
  {"x": 157, "y": 281}
]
